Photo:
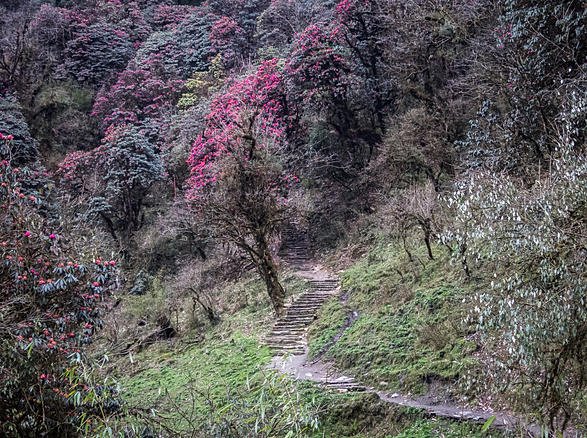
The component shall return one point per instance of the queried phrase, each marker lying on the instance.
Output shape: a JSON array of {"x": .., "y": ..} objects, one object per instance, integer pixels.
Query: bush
[
  {"x": 50, "y": 309},
  {"x": 529, "y": 243}
]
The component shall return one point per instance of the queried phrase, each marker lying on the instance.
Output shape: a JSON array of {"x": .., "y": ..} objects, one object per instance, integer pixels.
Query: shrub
[
  {"x": 50, "y": 309},
  {"x": 529, "y": 243}
]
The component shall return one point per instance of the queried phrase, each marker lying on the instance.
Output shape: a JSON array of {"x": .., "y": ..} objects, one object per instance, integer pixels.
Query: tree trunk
[
  {"x": 268, "y": 271},
  {"x": 426, "y": 227}
]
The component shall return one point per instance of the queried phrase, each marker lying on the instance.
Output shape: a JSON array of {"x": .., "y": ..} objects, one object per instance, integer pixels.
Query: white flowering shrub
[{"x": 529, "y": 242}]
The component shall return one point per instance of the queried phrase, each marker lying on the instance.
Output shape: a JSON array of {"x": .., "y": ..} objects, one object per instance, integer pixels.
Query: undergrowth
[
  {"x": 410, "y": 332},
  {"x": 331, "y": 319},
  {"x": 216, "y": 377}
]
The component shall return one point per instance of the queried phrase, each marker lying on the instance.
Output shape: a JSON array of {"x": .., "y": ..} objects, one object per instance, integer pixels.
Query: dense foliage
[{"x": 186, "y": 136}]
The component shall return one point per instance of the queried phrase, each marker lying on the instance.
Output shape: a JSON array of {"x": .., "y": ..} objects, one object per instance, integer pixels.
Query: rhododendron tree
[
  {"x": 97, "y": 52},
  {"x": 364, "y": 26},
  {"x": 245, "y": 14},
  {"x": 239, "y": 186},
  {"x": 113, "y": 181},
  {"x": 139, "y": 97},
  {"x": 166, "y": 17},
  {"x": 228, "y": 40},
  {"x": 50, "y": 308},
  {"x": 22, "y": 148},
  {"x": 283, "y": 19},
  {"x": 181, "y": 49},
  {"x": 324, "y": 87}
]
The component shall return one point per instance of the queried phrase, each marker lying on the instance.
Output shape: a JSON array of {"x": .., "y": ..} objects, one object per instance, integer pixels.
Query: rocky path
[{"x": 288, "y": 340}]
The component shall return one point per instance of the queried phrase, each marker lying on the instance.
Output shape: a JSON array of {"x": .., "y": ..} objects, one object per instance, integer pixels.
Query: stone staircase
[
  {"x": 295, "y": 248},
  {"x": 288, "y": 335},
  {"x": 289, "y": 332}
]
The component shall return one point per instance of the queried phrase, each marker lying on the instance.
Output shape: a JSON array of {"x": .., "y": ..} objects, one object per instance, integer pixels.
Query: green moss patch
[
  {"x": 410, "y": 331},
  {"x": 331, "y": 318}
]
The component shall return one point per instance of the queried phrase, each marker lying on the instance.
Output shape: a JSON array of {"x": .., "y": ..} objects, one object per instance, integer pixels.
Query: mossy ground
[
  {"x": 331, "y": 318},
  {"x": 185, "y": 379},
  {"x": 410, "y": 330}
]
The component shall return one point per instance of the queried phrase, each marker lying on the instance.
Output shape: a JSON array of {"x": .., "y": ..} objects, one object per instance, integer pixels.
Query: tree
[
  {"x": 183, "y": 49},
  {"x": 22, "y": 148},
  {"x": 96, "y": 53},
  {"x": 530, "y": 67},
  {"x": 283, "y": 20},
  {"x": 363, "y": 27},
  {"x": 141, "y": 96},
  {"x": 227, "y": 39},
  {"x": 166, "y": 17},
  {"x": 414, "y": 207},
  {"x": 238, "y": 183},
  {"x": 325, "y": 92},
  {"x": 113, "y": 180}
]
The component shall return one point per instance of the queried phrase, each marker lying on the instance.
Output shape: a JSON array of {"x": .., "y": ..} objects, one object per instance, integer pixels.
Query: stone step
[
  {"x": 299, "y": 321},
  {"x": 312, "y": 300},
  {"x": 285, "y": 341},
  {"x": 289, "y": 318},
  {"x": 294, "y": 326},
  {"x": 304, "y": 312},
  {"x": 301, "y": 312},
  {"x": 286, "y": 347},
  {"x": 289, "y": 329},
  {"x": 294, "y": 322},
  {"x": 288, "y": 334},
  {"x": 298, "y": 316},
  {"x": 313, "y": 296},
  {"x": 291, "y": 325},
  {"x": 318, "y": 294},
  {"x": 316, "y": 303},
  {"x": 303, "y": 307},
  {"x": 321, "y": 294}
]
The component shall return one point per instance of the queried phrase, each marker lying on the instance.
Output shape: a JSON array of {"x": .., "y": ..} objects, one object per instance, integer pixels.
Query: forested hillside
[{"x": 293, "y": 218}]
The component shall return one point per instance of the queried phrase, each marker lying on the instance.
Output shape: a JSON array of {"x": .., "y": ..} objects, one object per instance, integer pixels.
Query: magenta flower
[
  {"x": 27, "y": 234},
  {"x": 51, "y": 236}
]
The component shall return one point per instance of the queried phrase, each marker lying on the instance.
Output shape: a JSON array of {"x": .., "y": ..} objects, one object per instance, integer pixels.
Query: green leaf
[{"x": 488, "y": 423}]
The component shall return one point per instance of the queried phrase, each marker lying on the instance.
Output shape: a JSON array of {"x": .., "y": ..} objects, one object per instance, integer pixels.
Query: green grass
[
  {"x": 410, "y": 330},
  {"x": 331, "y": 318},
  {"x": 434, "y": 428},
  {"x": 211, "y": 369},
  {"x": 208, "y": 364},
  {"x": 404, "y": 335}
]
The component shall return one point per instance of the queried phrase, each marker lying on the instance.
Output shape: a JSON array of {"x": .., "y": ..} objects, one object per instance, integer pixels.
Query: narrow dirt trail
[{"x": 288, "y": 340}]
